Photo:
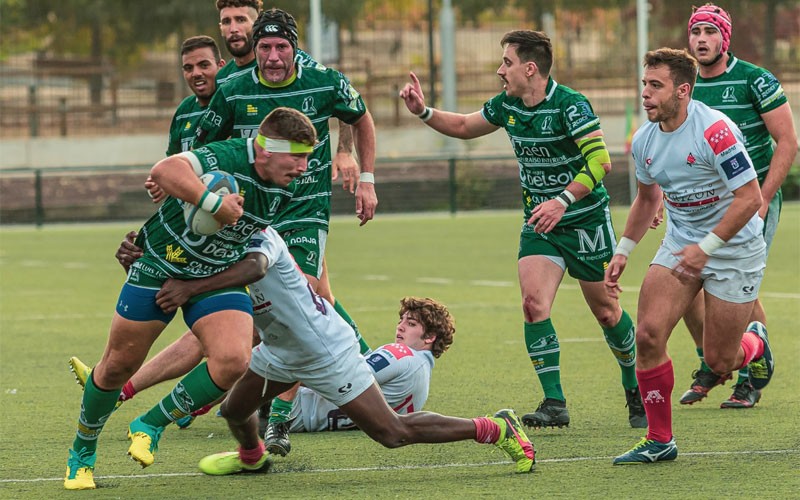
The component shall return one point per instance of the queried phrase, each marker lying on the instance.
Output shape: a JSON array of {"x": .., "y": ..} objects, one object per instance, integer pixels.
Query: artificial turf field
[{"x": 59, "y": 284}]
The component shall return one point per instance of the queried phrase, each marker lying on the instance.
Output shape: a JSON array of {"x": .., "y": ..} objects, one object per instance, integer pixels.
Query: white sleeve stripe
[{"x": 194, "y": 161}]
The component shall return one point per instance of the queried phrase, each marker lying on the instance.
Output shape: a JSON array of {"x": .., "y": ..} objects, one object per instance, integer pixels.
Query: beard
[{"x": 243, "y": 51}]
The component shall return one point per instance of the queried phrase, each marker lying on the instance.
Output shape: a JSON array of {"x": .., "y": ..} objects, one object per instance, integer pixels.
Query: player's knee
[
  {"x": 648, "y": 339},
  {"x": 719, "y": 362},
  {"x": 390, "y": 434},
  {"x": 535, "y": 310},
  {"x": 226, "y": 369}
]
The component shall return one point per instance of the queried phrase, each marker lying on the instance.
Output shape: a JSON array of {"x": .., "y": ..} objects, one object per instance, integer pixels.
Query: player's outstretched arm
[
  {"x": 174, "y": 293},
  {"x": 456, "y": 125}
]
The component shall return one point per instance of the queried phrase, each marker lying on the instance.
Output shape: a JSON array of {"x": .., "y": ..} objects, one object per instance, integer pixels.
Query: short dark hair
[
  {"x": 256, "y": 4},
  {"x": 436, "y": 321},
  {"x": 531, "y": 46},
  {"x": 199, "y": 42},
  {"x": 682, "y": 66},
  {"x": 289, "y": 124}
]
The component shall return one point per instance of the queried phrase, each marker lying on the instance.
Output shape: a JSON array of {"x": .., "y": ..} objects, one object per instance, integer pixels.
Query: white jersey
[
  {"x": 298, "y": 327},
  {"x": 403, "y": 374},
  {"x": 697, "y": 167}
]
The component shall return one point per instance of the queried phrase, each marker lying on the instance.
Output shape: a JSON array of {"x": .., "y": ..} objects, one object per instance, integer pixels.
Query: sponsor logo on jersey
[
  {"x": 378, "y": 362},
  {"x": 187, "y": 126},
  {"x": 345, "y": 388},
  {"x": 654, "y": 396},
  {"x": 736, "y": 165},
  {"x": 511, "y": 121},
  {"x": 251, "y": 109},
  {"x": 542, "y": 180},
  {"x": 648, "y": 161},
  {"x": 308, "y": 106},
  {"x": 692, "y": 199},
  {"x": 302, "y": 240},
  {"x": 729, "y": 94},
  {"x": 175, "y": 254},
  {"x": 748, "y": 289},
  {"x": 398, "y": 350},
  {"x": 719, "y": 137},
  {"x": 690, "y": 160}
]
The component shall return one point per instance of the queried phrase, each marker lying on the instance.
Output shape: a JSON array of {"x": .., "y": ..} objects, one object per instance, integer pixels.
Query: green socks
[
  {"x": 97, "y": 405},
  {"x": 362, "y": 344},
  {"x": 279, "y": 411},
  {"x": 193, "y": 392},
  {"x": 545, "y": 353},
  {"x": 621, "y": 339},
  {"x": 703, "y": 366}
]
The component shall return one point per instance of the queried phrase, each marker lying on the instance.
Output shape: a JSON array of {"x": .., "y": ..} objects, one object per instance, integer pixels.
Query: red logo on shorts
[{"x": 719, "y": 137}]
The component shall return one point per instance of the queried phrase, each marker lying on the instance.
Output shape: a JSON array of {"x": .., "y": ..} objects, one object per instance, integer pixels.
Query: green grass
[{"x": 58, "y": 286}]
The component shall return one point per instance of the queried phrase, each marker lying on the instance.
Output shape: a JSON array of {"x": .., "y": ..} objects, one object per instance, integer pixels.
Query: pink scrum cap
[{"x": 714, "y": 16}]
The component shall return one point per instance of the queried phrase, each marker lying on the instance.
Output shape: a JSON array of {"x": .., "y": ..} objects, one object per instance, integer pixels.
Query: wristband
[
  {"x": 625, "y": 246},
  {"x": 367, "y": 177},
  {"x": 711, "y": 243},
  {"x": 210, "y": 202},
  {"x": 426, "y": 115},
  {"x": 566, "y": 198}
]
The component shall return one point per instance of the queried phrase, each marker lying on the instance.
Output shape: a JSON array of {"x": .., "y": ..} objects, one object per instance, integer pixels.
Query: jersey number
[{"x": 317, "y": 300}]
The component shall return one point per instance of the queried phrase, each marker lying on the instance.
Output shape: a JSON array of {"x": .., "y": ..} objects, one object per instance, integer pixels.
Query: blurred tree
[{"x": 114, "y": 33}]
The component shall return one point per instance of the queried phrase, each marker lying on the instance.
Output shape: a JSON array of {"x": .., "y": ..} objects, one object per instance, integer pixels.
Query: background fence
[{"x": 97, "y": 69}]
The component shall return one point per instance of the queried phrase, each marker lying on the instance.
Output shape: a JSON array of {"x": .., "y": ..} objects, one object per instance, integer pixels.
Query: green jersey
[
  {"x": 182, "y": 127},
  {"x": 239, "y": 106},
  {"x": 543, "y": 138},
  {"x": 171, "y": 250},
  {"x": 744, "y": 92},
  {"x": 231, "y": 71}
]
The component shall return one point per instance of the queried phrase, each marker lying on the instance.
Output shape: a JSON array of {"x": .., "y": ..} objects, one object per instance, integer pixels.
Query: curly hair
[
  {"x": 256, "y": 4},
  {"x": 435, "y": 318}
]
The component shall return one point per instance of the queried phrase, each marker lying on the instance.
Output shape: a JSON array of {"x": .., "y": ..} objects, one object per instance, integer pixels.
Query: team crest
[
  {"x": 690, "y": 160},
  {"x": 308, "y": 106},
  {"x": 511, "y": 121},
  {"x": 729, "y": 95},
  {"x": 547, "y": 125}
]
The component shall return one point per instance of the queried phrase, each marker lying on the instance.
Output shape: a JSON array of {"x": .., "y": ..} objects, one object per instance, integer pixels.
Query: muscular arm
[
  {"x": 174, "y": 293},
  {"x": 456, "y": 125},
  {"x": 644, "y": 207},
  {"x": 780, "y": 125},
  {"x": 177, "y": 177},
  {"x": 343, "y": 161},
  {"x": 548, "y": 214},
  {"x": 746, "y": 202},
  {"x": 459, "y": 125},
  {"x": 366, "y": 199}
]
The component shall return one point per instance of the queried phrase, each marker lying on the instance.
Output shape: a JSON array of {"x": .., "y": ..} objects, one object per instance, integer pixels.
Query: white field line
[{"x": 416, "y": 467}]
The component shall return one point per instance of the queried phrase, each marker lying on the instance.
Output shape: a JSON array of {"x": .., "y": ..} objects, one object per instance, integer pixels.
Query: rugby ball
[{"x": 200, "y": 221}]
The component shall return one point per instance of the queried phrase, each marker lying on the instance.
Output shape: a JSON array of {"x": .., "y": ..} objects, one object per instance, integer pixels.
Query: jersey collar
[
  {"x": 298, "y": 73},
  {"x": 732, "y": 61},
  {"x": 550, "y": 88}
]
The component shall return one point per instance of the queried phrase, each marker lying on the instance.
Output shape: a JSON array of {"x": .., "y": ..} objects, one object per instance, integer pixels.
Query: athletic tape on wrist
[
  {"x": 367, "y": 177},
  {"x": 711, "y": 243},
  {"x": 210, "y": 202},
  {"x": 625, "y": 246}
]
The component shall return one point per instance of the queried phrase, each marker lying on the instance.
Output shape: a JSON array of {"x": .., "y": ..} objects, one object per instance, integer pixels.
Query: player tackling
[{"x": 696, "y": 157}]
